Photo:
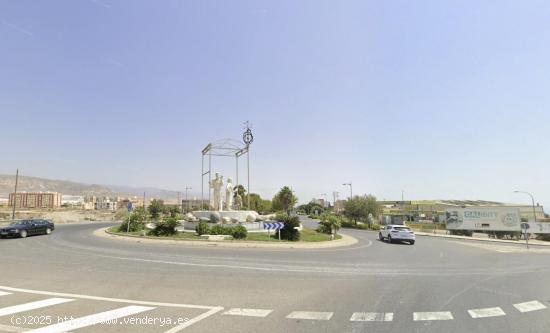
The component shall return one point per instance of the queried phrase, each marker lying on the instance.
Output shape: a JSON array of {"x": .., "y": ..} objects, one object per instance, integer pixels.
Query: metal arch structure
[{"x": 223, "y": 148}]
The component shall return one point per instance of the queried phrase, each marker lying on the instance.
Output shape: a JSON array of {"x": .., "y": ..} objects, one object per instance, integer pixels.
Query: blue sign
[
  {"x": 129, "y": 206},
  {"x": 274, "y": 225}
]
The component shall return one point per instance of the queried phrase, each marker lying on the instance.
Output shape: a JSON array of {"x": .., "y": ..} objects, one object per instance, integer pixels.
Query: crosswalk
[
  {"x": 92, "y": 319},
  {"x": 21, "y": 311},
  {"x": 116, "y": 311}
]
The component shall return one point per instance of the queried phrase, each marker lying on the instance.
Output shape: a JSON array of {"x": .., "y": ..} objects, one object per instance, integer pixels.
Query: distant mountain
[{"x": 35, "y": 184}]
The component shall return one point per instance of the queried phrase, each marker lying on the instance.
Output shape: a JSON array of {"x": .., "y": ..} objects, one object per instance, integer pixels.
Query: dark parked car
[{"x": 24, "y": 228}]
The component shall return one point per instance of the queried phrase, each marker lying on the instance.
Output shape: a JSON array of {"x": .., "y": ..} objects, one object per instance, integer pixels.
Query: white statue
[
  {"x": 229, "y": 192},
  {"x": 216, "y": 198}
]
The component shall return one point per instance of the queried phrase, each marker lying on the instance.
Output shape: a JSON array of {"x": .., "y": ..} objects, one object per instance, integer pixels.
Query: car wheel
[
  {"x": 389, "y": 239},
  {"x": 411, "y": 242},
  {"x": 48, "y": 231},
  {"x": 23, "y": 234},
  {"x": 380, "y": 237}
]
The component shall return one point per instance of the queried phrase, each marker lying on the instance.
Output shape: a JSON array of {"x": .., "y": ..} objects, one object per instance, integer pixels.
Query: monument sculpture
[
  {"x": 229, "y": 193},
  {"x": 225, "y": 207},
  {"x": 226, "y": 204},
  {"x": 216, "y": 186}
]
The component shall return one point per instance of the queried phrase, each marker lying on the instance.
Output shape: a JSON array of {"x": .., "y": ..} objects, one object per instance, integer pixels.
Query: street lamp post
[
  {"x": 186, "y": 199},
  {"x": 350, "y": 189},
  {"x": 532, "y": 201}
]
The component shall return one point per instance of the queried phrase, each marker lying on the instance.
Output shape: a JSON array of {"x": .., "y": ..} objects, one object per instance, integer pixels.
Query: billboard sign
[{"x": 483, "y": 218}]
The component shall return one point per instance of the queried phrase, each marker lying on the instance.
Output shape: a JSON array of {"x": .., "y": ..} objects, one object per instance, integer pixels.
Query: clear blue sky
[{"x": 441, "y": 99}]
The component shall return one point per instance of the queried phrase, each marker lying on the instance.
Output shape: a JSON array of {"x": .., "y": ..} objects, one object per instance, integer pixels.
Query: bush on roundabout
[
  {"x": 136, "y": 223},
  {"x": 290, "y": 223},
  {"x": 239, "y": 232},
  {"x": 218, "y": 229},
  {"x": 165, "y": 227},
  {"x": 202, "y": 228}
]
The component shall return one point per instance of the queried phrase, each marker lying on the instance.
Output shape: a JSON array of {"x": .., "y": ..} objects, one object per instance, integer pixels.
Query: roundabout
[{"x": 436, "y": 285}]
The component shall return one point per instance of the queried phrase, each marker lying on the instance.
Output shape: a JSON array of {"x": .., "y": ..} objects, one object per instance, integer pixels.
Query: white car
[{"x": 393, "y": 233}]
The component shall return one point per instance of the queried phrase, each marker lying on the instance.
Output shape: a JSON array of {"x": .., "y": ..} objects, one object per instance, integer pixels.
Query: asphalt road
[{"x": 437, "y": 285}]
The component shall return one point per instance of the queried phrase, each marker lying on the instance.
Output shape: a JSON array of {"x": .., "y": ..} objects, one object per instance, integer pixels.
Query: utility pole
[
  {"x": 15, "y": 195},
  {"x": 186, "y": 198}
]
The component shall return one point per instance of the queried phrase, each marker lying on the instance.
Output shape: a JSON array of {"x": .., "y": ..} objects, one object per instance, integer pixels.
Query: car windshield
[
  {"x": 19, "y": 223},
  {"x": 401, "y": 228}
]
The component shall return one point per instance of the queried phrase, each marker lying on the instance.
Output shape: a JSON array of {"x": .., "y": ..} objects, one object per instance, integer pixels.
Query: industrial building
[{"x": 395, "y": 212}]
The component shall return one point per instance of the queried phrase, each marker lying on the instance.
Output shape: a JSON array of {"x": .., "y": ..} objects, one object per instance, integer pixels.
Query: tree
[
  {"x": 359, "y": 207},
  {"x": 291, "y": 223},
  {"x": 329, "y": 224},
  {"x": 258, "y": 204},
  {"x": 156, "y": 208},
  {"x": 311, "y": 208},
  {"x": 284, "y": 200}
]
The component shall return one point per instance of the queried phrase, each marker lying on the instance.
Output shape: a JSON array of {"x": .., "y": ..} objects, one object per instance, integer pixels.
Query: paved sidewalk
[
  {"x": 531, "y": 241},
  {"x": 344, "y": 241}
]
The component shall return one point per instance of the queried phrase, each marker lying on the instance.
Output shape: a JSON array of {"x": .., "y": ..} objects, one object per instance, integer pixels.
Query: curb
[
  {"x": 342, "y": 242},
  {"x": 533, "y": 242}
]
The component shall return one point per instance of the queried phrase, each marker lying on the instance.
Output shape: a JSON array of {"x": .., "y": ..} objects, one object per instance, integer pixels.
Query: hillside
[{"x": 35, "y": 184}]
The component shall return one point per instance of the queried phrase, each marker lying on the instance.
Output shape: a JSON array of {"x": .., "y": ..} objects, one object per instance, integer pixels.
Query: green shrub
[
  {"x": 219, "y": 229},
  {"x": 165, "y": 227},
  {"x": 375, "y": 227},
  {"x": 239, "y": 232},
  {"x": 329, "y": 223},
  {"x": 136, "y": 223},
  {"x": 202, "y": 228},
  {"x": 348, "y": 224},
  {"x": 290, "y": 222},
  {"x": 362, "y": 226}
]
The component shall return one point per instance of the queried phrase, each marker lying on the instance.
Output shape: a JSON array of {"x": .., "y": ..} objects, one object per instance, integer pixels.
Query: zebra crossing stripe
[
  {"x": 32, "y": 306},
  {"x": 4, "y": 293},
  {"x": 486, "y": 312},
  {"x": 107, "y": 317},
  {"x": 424, "y": 316},
  {"x": 530, "y": 306},
  {"x": 371, "y": 316},
  {"x": 310, "y": 315},
  {"x": 248, "y": 312}
]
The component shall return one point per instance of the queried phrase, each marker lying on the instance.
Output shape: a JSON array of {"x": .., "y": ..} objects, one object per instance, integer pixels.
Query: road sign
[
  {"x": 130, "y": 207},
  {"x": 274, "y": 225},
  {"x": 525, "y": 226}
]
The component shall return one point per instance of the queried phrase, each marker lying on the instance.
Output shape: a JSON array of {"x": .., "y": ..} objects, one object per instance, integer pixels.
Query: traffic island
[{"x": 310, "y": 239}]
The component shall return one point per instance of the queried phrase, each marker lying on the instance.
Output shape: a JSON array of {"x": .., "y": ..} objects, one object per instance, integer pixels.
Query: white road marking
[
  {"x": 107, "y": 299},
  {"x": 486, "y": 312},
  {"x": 371, "y": 316},
  {"x": 309, "y": 315},
  {"x": 106, "y": 317},
  {"x": 33, "y": 305},
  {"x": 4, "y": 293},
  {"x": 195, "y": 320},
  {"x": 422, "y": 316},
  {"x": 211, "y": 309},
  {"x": 248, "y": 312},
  {"x": 7, "y": 328},
  {"x": 530, "y": 306}
]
